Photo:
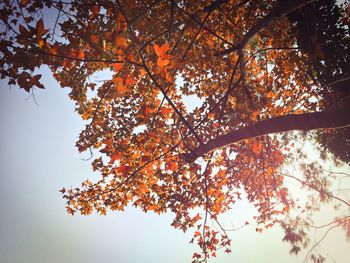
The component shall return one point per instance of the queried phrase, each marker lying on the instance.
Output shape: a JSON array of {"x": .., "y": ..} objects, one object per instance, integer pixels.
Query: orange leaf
[
  {"x": 270, "y": 94},
  {"x": 169, "y": 77},
  {"x": 171, "y": 165},
  {"x": 76, "y": 53},
  {"x": 70, "y": 210},
  {"x": 165, "y": 111},
  {"x": 23, "y": 3},
  {"x": 147, "y": 110},
  {"x": 54, "y": 49},
  {"x": 129, "y": 81},
  {"x": 120, "y": 85},
  {"x": 162, "y": 62},
  {"x": 120, "y": 42},
  {"x": 117, "y": 66},
  {"x": 41, "y": 43},
  {"x": 118, "y": 81},
  {"x": 131, "y": 57},
  {"x": 161, "y": 50},
  {"x": 95, "y": 39},
  {"x": 256, "y": 148},
  {"x": 255, "y": 115}
]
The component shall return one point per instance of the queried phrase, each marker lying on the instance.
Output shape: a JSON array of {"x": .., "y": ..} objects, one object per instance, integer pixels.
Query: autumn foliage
[{"x": 240, "y": 60}]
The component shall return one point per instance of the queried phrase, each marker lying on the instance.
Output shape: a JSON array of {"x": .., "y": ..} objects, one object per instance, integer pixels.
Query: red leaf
[{"x": 35, "y": 81}]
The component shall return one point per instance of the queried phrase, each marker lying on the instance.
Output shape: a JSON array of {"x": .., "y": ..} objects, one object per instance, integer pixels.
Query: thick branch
[
  {"x": 277, "y": 12},
  {"x": 333, "y": 118}
]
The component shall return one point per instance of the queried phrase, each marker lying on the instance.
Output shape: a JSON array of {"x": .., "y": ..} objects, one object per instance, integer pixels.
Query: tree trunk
[{"x": 337, "y": 117}]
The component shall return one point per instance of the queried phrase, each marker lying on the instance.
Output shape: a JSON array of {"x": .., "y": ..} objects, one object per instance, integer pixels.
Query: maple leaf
[
  {"x": 162, "y": 62},
  {"x": 27, "y": 82},
  {"x": 40, "y": 29},
  {"x": 120, "y": 42},
  {"x": 23, "y": 30},
  {"x": 35, "y": 81},
  {"x": 119, "y": 85},
  {"x": 23, "y": 3},
  {"x": 161, "y": 51}
]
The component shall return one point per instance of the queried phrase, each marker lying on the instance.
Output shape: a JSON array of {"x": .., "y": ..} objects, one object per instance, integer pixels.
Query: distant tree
[{"x": 257, "y": 68}]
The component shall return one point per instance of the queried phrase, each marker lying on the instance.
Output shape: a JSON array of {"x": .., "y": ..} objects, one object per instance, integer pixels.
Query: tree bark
[{"x": 336, "y": 117}]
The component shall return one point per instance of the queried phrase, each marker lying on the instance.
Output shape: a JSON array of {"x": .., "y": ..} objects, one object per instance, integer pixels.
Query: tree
[{"x": 248, "y": 64}]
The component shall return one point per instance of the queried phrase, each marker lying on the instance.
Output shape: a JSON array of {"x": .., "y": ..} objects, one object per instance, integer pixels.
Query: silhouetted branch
[{"x": 336, "y": 117}]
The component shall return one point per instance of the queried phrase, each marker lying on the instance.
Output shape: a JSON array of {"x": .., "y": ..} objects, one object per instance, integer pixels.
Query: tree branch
[
  {"x": 336, "y": 117},
  {"x": 42, "y": 52}
]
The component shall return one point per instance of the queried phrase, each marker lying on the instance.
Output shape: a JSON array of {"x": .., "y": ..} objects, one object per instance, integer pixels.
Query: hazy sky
[{"x": 38, "y": 158}]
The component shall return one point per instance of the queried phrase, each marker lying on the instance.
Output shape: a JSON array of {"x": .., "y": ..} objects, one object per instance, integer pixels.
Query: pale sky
[{"x": 38, "y": 158}]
